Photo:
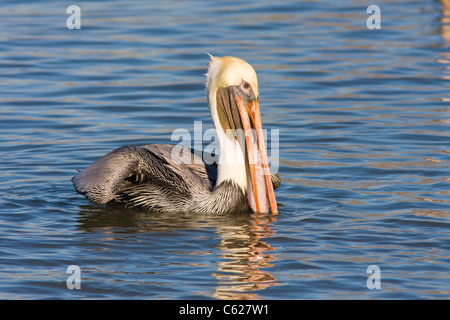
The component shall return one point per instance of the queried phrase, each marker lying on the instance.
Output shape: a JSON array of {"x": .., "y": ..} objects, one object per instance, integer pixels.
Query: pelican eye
[{"x": 247, "y": 91}]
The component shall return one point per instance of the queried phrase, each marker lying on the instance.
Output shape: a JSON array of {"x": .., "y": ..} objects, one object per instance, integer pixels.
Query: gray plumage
[{"x": 149, "y": 177}]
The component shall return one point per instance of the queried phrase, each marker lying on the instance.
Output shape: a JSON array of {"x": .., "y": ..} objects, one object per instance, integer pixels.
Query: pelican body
[{"x": 152, "y": 178}]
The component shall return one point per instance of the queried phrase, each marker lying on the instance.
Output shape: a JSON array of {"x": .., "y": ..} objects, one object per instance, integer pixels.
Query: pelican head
[{"x": 232, "y": 89}]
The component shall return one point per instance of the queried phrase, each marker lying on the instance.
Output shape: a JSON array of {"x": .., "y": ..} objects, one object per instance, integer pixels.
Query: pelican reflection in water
[
  {"x": 148, "y": 177},
  {"x": 239, "y": 267}
]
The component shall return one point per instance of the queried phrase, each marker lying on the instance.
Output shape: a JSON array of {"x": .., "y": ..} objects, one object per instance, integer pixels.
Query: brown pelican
[{"x": 151, "y": 177}]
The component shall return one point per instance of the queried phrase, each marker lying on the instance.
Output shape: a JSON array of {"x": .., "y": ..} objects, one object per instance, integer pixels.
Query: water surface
[{"x": 363, "y": 117}]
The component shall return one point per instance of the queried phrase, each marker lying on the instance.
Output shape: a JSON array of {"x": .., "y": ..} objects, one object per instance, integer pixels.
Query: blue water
[{"x": 363, "y": 117}]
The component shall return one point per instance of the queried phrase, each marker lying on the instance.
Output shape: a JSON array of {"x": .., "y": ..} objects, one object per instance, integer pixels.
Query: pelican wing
[
  {"x": 131, "y": 169},
  {"x": 100, "y": 182}
]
